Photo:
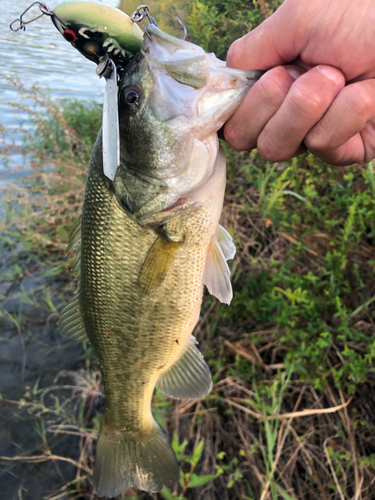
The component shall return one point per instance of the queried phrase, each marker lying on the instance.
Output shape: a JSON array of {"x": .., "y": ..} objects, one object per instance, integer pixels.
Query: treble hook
[
  {"x": 140, "y": 13},
  {"x": 45, "y": 10},
  {"x": 183, "y": 27},
  {"x": 143, "y": 11}
]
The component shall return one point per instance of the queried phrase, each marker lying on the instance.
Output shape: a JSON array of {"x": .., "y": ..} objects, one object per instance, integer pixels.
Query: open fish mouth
[{"x": 173, "y": 98}]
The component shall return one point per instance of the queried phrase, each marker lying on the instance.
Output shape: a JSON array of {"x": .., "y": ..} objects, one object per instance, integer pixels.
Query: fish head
[{"x": 173, "y": 98}]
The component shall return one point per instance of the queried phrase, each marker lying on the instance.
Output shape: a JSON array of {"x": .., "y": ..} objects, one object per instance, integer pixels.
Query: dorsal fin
[
  {"x": 75, "y": 237},
  {"x": 70, "y": 323}
]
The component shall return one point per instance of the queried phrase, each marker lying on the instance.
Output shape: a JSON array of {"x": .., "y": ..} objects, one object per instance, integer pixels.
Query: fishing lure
[{"x": 94, "y": 29}]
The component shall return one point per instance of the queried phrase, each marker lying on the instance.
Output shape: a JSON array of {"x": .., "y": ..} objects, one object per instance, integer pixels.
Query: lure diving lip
[{"x": 96, "y": 30}]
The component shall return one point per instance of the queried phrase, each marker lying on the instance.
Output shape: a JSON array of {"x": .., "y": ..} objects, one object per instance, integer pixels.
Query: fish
[
  {"x": 97, "y": 29},
  {"x": 147, "y": 243}
]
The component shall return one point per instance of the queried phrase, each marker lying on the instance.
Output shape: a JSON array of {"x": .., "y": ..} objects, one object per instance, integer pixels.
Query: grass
[{"x": 291, "y": 411}]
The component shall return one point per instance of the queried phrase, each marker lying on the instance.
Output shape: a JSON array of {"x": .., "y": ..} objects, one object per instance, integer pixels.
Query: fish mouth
[
  {"x": 154, "y": 30},
  {"x": 164, "y": 47}
]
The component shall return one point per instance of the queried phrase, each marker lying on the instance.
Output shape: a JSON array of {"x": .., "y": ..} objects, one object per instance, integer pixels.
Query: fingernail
[{"x": 332, "y": 73}]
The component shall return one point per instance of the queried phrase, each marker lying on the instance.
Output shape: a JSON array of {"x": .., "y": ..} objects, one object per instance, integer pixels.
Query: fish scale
[{"x": 126, "y": 328}]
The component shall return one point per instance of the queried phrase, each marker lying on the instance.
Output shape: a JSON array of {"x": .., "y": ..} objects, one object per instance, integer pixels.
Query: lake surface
[{"x": 40, "y": 55}]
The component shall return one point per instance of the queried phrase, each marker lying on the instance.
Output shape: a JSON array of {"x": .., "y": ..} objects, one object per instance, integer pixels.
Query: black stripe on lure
[{"x": 106, "y": 36}]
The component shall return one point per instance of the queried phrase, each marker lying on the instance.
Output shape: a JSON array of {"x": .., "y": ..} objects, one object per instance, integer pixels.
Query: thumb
[{"x": 277, "y": 41}]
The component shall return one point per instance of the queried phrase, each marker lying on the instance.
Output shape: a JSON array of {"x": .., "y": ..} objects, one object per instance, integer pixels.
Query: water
[
  {"x": 41, "y": 56},
  {"x": 24, "y": 362}
]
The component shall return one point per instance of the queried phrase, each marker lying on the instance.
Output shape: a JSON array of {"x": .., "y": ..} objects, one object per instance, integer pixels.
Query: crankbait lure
[
  {"x": 96, "y": 29},
  {"x": 93, "y": 29}
]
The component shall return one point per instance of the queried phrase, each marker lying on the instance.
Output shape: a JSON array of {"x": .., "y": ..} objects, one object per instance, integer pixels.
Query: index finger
[{"x": 273, "y": 43}]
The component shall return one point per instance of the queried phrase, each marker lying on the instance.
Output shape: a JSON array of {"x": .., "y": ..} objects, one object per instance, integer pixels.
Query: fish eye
[
  {"x": 130, "y": 98},
  {"x": 70, "y": 36}
]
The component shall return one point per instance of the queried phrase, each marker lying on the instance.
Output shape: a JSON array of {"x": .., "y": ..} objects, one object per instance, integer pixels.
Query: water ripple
[{"x": 41, "y": 56}]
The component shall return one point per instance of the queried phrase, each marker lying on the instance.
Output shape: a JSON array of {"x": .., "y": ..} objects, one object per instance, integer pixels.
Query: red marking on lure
[{"x": 70, "y": 36}]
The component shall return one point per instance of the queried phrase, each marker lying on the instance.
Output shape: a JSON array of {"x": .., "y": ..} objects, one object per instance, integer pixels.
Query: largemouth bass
[{"x": 147, "y": 243}]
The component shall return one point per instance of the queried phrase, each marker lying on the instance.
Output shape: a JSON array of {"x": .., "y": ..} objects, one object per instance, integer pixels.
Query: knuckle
[
  {"x": 360, "y": 99},
  {"x": 274, "y": 86},
  {"x": 337, "y": 159},
  {"x": 319, "y": 144},
  {"x": 267, "y": 149},
  {"x": 234, "y": 53},
  {"x": 317, "y": 140},
  {"x": 305, "y": 102},
  {"x": 369, "y": 153},
  {"x": 234, "y": 137}
]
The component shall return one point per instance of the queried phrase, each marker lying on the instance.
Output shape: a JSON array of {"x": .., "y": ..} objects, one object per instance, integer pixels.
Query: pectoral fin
[
  {"x": 157, "y": 263},
  {"x": 216, "y": 273},
  {"x": 226, "y": 242},
  {"x": 189, "y": 377}
]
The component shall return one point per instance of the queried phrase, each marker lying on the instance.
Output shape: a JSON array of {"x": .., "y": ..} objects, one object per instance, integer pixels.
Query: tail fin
[{"x": 145, "y": 462}]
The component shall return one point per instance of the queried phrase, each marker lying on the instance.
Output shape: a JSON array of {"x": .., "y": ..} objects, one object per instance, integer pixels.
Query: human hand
[{"x": 320, "y": 92}]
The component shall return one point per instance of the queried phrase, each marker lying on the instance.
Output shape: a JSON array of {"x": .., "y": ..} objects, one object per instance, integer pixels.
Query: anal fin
[{"x": 189, "y": 377}]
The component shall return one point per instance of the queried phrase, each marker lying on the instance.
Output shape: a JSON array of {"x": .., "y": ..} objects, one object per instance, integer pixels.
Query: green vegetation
[{"x": 291, "y": 414}]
